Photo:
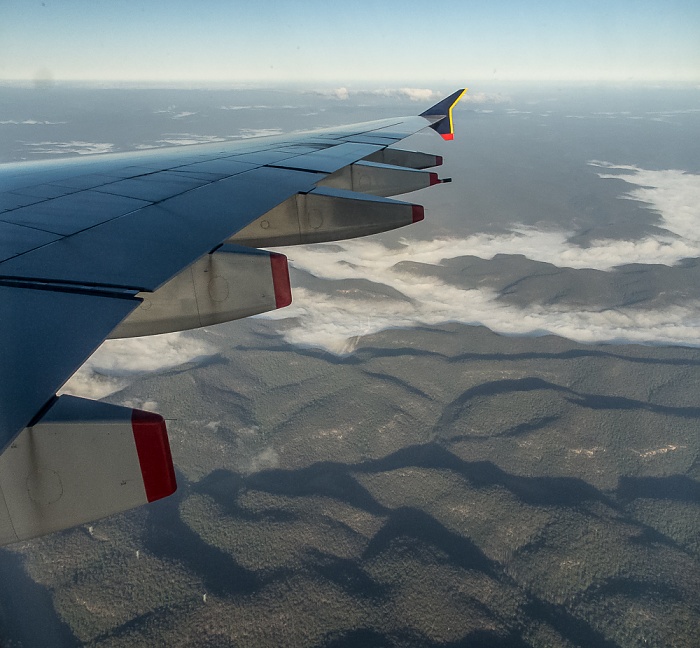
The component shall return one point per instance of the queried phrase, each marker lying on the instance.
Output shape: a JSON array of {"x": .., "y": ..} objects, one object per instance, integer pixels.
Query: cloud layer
[
  {"x": 75, "y": 146},
  {"x": 31, "y": 122},
  {"x": 336, "y": 320},
  {"x": 413, "y": 94},
  {"x": 109, "y": 369}
]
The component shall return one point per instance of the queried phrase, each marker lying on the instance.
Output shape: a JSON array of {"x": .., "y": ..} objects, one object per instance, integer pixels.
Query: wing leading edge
[{"x": 127, "y": 244}]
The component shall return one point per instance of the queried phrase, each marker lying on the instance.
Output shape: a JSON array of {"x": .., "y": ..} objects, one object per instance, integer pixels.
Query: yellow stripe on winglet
[{"x": 449, "y": 115}]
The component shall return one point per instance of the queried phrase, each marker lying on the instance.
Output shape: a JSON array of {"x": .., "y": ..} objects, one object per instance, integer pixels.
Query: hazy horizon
[{"x": 276, "y": 42}]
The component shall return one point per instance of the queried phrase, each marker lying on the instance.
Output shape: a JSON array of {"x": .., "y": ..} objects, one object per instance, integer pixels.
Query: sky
[{"x": 276, "y": 41}]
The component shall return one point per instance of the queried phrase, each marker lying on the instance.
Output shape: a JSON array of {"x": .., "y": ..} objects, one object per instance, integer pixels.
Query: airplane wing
[{"x": 154, "y": 241}]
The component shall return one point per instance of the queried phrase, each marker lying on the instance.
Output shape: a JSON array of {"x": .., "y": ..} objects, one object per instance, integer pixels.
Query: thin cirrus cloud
[{"x": 336, "y": 320}]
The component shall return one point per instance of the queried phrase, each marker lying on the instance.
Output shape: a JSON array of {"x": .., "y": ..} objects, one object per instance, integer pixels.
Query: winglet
[{"x": 444, "y": 108}]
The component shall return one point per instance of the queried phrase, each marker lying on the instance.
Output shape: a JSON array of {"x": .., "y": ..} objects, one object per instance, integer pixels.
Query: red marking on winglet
[
  {"x": 434, "y": 179},
  {"x": 153, "y": 449},
  {"x": 418, "y": 213},
  {"x": 438, "y": 160},
  {"x": 280, "y": 280},
  {"x": 448, "y": 136}
]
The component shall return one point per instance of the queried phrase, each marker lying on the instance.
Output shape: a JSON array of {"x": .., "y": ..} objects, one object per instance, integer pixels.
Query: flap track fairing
[
  {"x": 327, "y": 214},
  {"x": 379, "y": 179},
  {"x": 230, "y": 283},
  {"x": 82, "y": 461}
]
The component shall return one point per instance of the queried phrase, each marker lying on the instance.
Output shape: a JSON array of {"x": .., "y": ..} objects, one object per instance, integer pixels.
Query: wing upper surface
[
  {"x": 78, "y": 238},
  {"x": 45, "y": 335}
]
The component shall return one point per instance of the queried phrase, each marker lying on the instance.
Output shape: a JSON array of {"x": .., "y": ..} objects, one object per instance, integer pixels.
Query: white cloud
[
  {"x": 174, "y": 113},
  {"x": 335, "y": 321},
  {"x": 185, "y": 139},
  {"x": 336, "y": 93},
  {"x": 109, "y": 369},
  {"x": 674, "y": 195},
  {"x": 88, "y": 384},
  {"x": 266, "y": 460},
  {"x": 413, "y": 94},
  {"x": 247, "y": 133},
  {"x": 81, "y": 148},
  {"x": 258, "y": 107},
  {"x": 485, "y": 98},
  {"x": 650, "y": 116},
  {"x": 138, "y": 403},
  {"x": 31, "y": 122}
]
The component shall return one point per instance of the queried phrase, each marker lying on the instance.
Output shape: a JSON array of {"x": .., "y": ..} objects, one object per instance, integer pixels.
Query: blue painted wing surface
[{"x": 82, "y": 241}]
